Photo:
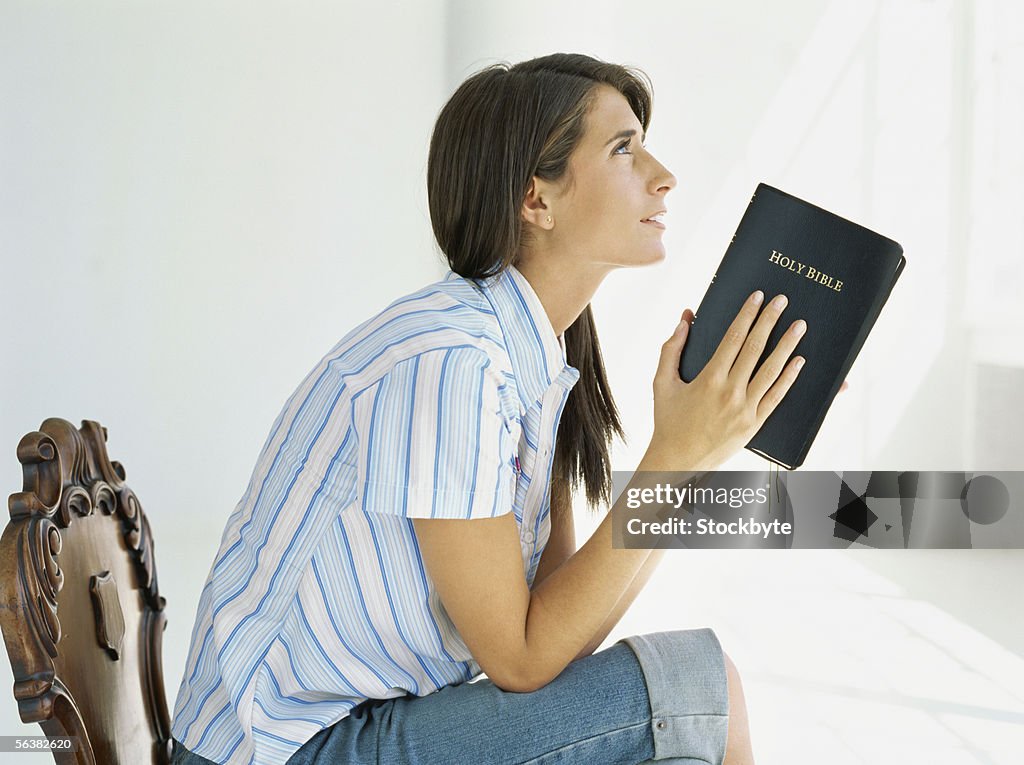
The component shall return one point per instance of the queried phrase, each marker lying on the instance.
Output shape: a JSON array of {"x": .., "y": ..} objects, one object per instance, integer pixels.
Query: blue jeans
[{"x": 661, "y": 696}]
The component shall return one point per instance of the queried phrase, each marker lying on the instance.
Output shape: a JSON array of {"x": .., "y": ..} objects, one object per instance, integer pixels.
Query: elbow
[
  {"x": 512, "y": 687},
  {"x": 518, "y": 679},
  {"x": 517, "y": 684},
  {"x": 512, "y": 681}
]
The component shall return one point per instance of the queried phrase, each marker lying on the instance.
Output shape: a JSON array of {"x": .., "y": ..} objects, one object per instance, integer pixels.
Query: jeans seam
[{"x": 583, "y": 740}]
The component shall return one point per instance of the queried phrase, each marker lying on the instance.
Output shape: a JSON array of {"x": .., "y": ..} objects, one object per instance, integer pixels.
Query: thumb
[{"x": 672, "y": 350}]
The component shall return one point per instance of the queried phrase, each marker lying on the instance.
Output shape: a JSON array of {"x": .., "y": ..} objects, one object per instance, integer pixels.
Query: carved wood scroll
[{"x": 69, "y": 481}]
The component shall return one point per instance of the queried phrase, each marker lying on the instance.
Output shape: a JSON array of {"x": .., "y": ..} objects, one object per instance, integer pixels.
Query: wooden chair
[{"x": 81, "y": 615}]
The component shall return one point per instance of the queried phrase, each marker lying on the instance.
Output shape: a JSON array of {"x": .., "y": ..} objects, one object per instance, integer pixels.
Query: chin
[
  {"x": 645, "y": 256},
  {"x": 649, "y": 258}
]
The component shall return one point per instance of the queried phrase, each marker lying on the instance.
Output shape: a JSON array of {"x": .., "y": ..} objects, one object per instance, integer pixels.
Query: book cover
[{"x": 837, "y": 275}]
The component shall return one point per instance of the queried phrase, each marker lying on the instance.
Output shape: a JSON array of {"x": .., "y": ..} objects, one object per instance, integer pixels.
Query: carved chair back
[{"x": 81, "y": 615}]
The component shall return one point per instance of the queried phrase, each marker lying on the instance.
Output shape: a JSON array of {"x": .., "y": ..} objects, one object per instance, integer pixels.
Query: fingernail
[
  {"x": 679, "y": 326},
  {"x": 780, "y": 302},
  {"x": 800, "y": 327},
  {"x": 799, "y": 361},
  {"x": 757, "y": 297}
]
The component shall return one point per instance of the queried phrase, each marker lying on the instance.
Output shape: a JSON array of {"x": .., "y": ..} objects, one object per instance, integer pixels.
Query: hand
[
  {"x": 844, "y": 386},
  {"x": 698, "y": 425}
]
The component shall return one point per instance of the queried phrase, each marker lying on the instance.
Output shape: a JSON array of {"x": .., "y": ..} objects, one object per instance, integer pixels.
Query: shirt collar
[{"x": 537, "y": 354}]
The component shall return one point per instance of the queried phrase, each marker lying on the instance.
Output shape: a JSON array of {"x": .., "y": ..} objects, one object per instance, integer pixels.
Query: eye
[{"x": 622, "y": 147}]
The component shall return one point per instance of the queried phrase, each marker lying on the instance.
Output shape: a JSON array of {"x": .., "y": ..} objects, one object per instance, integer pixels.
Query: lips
[{"x": 656, "y": 219}]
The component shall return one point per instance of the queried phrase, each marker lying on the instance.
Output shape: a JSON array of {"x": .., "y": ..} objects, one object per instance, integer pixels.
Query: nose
[{"x": 662, "y": 181}]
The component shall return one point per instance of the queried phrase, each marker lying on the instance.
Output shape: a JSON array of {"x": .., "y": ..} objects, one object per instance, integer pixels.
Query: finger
[
  {"x": 775, "y": 394},
  {"x": 844, "y": 386},
  {"x": 725, "y": 355},
  {"x": 775, "y": 364},
  {"x": 672, "y": 349},
  {"x": 756, "y": 341}
]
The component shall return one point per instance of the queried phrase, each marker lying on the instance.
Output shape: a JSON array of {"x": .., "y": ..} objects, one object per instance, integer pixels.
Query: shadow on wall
[
  {"x": 942, "y": 430},
  {"x": 930, "y": 433},
  {"x": 969, "y": 585}
]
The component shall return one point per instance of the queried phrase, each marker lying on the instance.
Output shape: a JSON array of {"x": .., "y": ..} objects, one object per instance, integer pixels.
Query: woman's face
[{"x": 604, "y": 213}]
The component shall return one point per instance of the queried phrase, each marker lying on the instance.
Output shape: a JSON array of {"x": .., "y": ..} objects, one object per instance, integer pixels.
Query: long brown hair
[{"x": 503, "y": 126}]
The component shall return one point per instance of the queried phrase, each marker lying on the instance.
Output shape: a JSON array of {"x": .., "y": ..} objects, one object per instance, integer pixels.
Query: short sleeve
[{"x": 433, "y": 441}]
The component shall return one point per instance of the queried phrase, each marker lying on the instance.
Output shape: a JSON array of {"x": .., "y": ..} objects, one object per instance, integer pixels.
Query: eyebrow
[{"x": 627, "y": 134}]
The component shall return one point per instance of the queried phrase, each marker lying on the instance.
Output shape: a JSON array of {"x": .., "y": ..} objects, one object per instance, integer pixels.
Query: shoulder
[{"x": 447, "y": 327}]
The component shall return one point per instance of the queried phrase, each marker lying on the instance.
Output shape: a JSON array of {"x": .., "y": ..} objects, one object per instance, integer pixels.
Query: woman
[{"x": 408, "y": 523}]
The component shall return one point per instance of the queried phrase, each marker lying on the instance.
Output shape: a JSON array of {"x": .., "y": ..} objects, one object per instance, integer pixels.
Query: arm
[
  {"x": 561, "y": 546},
  {"x": 635, "y": 588},
  {"x": 573, "y": 610},
  {"x": 523, "y": 640}
]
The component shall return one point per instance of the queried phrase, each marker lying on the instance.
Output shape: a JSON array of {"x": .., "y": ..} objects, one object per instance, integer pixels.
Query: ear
[{"x": 536, "y": 208}]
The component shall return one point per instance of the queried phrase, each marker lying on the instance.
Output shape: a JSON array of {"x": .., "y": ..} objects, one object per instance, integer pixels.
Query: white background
[{"x": 198, "y": 199}]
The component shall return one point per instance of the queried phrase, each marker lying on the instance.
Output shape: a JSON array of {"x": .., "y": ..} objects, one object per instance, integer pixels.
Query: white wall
[{"x": 198, "y": 199}]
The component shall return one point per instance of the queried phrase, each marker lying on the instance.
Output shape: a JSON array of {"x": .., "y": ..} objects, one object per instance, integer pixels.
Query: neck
[{"x": 564, "y": 288}]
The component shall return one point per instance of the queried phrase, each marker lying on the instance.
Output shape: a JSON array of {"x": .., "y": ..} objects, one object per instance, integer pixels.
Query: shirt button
[
  {"x": 661, "y": 723},
  {"x": 528, "y": 536}
]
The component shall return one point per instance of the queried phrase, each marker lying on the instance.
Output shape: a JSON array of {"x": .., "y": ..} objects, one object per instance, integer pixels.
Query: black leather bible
[{"x": 837, "y": 276}]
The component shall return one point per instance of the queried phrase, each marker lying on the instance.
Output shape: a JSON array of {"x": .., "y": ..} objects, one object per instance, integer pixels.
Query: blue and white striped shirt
[{"x": 445, "y": 405}]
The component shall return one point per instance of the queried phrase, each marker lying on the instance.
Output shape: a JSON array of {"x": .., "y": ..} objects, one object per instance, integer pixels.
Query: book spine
[{"x": 732, "y": 241}]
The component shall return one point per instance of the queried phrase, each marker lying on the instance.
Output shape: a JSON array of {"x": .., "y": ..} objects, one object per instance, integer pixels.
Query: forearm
[
  {"x": 572, "y": 611},
  {"x": 569, "y": 607},
  {"x": 635, "y": 587}
]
